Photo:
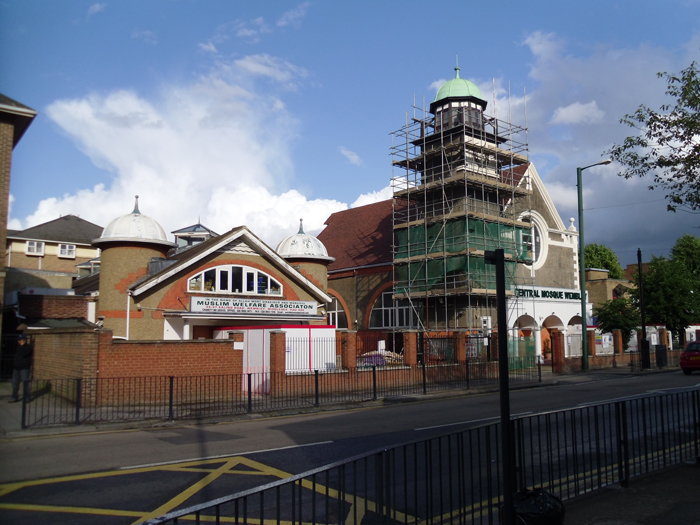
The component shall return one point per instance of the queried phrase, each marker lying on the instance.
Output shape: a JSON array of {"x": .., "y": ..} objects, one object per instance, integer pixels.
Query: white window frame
[
  {"x": 392, "y": 313},
  {"x": 66, "y": 251},
  {"x": 35, "y": 248},
  {"x": 245, "y": 271}
]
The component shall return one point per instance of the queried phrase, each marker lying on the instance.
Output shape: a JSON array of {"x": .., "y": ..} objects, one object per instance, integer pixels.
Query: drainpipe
[{"x": 128, "y": 312}]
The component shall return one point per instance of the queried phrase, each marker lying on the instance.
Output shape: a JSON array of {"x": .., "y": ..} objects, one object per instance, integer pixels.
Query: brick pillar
[
  {"x": 663, "y": 337},
  {"x": 7, "y": 130},
  {"x": 558, "y": 351},
  {"x": 277, "y": 351},
  {"x": 348, "y": 349},
  {"x": 461, "y": 347},
  {"x": 410, "y": 348},
  {"x": 591, "y": 343},
  {"x": 617, "y": 342}
]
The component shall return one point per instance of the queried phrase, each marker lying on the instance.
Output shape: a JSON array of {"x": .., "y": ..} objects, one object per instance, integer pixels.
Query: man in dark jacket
[{"x": 22, "y": 365}]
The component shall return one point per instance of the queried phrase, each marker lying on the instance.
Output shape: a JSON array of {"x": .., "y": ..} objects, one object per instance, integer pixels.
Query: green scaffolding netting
[
  {"x": 458, "y": 271},
  {"x": 458, "y": 235}
]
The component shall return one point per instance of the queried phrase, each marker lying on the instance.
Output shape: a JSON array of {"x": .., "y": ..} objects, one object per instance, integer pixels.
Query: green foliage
[
  {"x": 687, "y": 252},
  {"x": 618, "y": 314},
  {"x": 600, "y": 256},
  {"x": 666, "y": 144},
  {"x": 671, "y": 294}
]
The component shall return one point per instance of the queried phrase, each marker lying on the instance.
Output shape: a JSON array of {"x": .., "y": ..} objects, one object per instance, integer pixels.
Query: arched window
[
  {"x": 336, "y": 315},
  {"x": 388, "y": 312},
  {"x": 538, "y": 241},
  {"x": 233, "y": 279}
]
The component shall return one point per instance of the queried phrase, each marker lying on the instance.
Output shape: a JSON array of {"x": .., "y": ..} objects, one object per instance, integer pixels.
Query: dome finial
[
  {"x": 457, "y": 66},
  {"x": 136, "y": 206},
  {"x": 301, "y": 226}
]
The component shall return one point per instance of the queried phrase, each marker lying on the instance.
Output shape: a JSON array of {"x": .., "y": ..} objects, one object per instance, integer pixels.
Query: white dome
[
  {"x": 134, "y": 227},
  {"x": 302, "y": 246}
]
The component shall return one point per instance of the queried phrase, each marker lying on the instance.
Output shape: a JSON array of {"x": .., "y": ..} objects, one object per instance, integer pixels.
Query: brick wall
[
  {"x": 53, "y": 306},
  {"x": 118, "y": 358},
  {"x": 65, "y": 354}
]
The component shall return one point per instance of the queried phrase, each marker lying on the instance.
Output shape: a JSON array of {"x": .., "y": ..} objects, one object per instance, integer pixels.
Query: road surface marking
[
  {"x": 222, "y": 456},
  {"x": 495, "y": 418}
]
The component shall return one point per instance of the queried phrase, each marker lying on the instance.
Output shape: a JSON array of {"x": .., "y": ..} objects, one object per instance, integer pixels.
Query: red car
[{"x": 690, "y": 358}]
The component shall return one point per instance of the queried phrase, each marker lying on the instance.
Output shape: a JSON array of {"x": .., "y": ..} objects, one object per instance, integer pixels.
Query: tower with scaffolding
[{"x": 460, "y": 189}]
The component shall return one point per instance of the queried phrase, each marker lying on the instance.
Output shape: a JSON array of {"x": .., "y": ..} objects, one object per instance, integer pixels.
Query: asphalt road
[{"x": 128, "y": 476}]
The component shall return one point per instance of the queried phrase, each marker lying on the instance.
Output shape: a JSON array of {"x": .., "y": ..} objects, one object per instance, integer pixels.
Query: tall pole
[
  {"x": 582, "y": 264},
  {"x": 644, "y": 343},
  {"x": 582, "y": 273},
  {"x": 497, "y": 258}
]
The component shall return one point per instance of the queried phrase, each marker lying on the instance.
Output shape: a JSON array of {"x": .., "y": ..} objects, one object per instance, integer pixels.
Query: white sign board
[{"x": 229, "y": 305}]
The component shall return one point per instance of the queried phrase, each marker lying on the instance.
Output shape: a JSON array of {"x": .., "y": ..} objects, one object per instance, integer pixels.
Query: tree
[
  {"x": 667, "y": 144},
  {"x": 671, "y": 295},
  {"x": 687, "y": 252},
  {"x": 600, "y": 256},
  {"x": 618, "y": 314}
]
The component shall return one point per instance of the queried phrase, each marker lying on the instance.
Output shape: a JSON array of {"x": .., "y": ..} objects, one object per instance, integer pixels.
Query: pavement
[{"x": 667, "y": 497}]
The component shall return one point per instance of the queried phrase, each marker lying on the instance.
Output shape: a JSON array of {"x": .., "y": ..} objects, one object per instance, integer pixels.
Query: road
[{"x": 120, "y": 477}]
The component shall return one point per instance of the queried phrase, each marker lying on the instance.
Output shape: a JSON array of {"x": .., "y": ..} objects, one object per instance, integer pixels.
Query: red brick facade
[{"x": 54, "y": 306}]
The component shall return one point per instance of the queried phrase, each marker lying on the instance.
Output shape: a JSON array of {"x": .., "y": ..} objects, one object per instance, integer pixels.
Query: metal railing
[
  {"x": 75, "y": 401},
  {"x": 456, "y": 478}
]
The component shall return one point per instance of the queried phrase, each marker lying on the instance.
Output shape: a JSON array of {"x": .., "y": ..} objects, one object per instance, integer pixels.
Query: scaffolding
[{"x": 460, "y": 188}]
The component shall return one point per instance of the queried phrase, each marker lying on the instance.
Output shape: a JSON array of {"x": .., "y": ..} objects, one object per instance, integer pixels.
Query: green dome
[{"x": 458, "y": 87}]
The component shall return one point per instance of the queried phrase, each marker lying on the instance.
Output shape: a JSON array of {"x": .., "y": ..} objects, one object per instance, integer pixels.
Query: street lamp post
[{"x": 582, "y": 264}]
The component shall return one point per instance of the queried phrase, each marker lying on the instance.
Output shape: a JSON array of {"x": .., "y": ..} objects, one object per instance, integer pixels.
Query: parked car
[{"x": 690, "y": 358}]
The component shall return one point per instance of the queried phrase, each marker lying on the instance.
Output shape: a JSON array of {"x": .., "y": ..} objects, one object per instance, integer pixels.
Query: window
[
  {"x": 34, "y": 248},
  {"x": 390, "y": 313},
  {"x": 336, "y": 315},
  {"x": 66, "y": 251},
  {"x": 536, "y": 239},
  {"x": 230, "y": 279}
]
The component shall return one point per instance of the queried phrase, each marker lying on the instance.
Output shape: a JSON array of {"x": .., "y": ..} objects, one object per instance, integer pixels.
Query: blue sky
[{"x": 260, "y": 113}]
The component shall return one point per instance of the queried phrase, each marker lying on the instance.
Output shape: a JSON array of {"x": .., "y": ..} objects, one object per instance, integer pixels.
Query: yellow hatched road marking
[{"x": 70, "y": 510}]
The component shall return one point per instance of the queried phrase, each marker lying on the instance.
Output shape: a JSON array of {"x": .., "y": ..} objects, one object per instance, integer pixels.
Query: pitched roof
[
  {"x": 20, "y": 115},
  {"x": 361, "y": 236},
  {"x": 184, "y": 260},
  {"x": 195, "y": 228},
  {"x": 68, "y": 228}
]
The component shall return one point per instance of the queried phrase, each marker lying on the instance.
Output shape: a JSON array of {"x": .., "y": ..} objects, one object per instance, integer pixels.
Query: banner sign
[
  {"x": 230, "y": 305},
  {"x": 548, "y": 294}
]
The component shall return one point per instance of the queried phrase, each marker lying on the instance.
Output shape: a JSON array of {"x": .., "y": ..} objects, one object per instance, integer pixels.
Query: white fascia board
[
  {"x": 17, "y": 238},
  {"x": 288, "y": 269},
  {"x": 536, "y": 180},
  {"x": 25, "y": 112},
  {"x": 260, "y": 247},
  {"x": 176, "y": 268}
]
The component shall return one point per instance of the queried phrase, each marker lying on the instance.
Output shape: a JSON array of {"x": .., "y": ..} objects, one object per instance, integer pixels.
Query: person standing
[{"x": 22, "y": 366}]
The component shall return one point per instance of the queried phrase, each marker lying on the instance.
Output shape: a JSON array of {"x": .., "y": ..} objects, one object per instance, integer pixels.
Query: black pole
[
  {"x": 497, "y": 258},
  {"x": 643, "y": 344}
]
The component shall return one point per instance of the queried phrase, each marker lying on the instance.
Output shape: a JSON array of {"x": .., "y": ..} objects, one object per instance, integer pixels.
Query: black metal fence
[
  {"x": 76, "y": 401},
  {"x": 659, "y": 357},
  {"x": 456, "y": 478}
]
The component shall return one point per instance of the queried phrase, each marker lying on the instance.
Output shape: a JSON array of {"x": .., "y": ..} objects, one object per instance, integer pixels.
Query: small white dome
[
  {"x": 134, "y": 227},
  {"x": 302, "y": 246}
]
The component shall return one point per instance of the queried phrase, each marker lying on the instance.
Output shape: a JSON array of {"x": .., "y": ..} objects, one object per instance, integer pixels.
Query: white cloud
[
  {"x": 94, "y": 9},
  {"x": 264, "y": 65},
  {"x": 147, "y": 36},
  {"x": 208, "y": 47},
  {"x": 293, "y": 16},
  {"x": 372, "y": 197},
  {"x": 437, "y": 84},
  {"x": 578, "y": 113},
  {"x": 353, "y": 157},
  {"x": 212, "y": 149},
  {"x": 616, "y": 81}
]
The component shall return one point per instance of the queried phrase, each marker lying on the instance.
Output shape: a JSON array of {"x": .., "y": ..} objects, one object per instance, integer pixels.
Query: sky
[{"x": 262, "y": 113}]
